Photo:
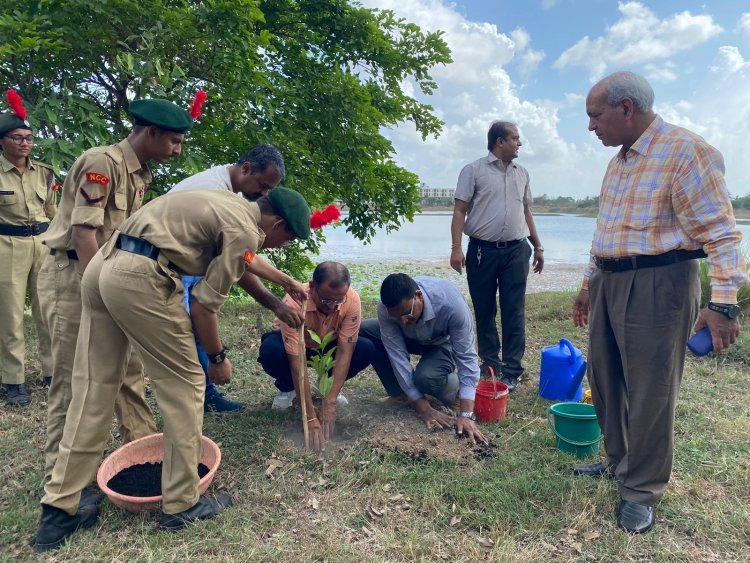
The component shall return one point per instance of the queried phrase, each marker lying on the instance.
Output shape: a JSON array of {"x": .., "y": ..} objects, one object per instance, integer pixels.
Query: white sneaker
[
  {"x": 283, "y": 400},
  {"x": 342, "y": 401}
]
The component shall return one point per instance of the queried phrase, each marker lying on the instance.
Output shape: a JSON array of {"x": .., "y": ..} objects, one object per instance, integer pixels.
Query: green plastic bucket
[{"x": 576, "y": 428}]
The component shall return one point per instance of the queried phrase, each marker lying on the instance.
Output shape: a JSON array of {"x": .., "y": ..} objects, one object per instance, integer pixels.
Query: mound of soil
[
  {"x": 394, "y": 426},
  {"x": 143, "y": 480}
]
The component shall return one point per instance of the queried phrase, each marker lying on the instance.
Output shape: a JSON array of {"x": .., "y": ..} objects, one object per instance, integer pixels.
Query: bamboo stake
[{"x": 302, "y": 382}]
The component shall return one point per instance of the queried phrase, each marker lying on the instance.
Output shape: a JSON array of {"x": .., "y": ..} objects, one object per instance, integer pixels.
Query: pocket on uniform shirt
[
  {"x": 121, "y": 200},
  {"x": 8, "y": 197}
]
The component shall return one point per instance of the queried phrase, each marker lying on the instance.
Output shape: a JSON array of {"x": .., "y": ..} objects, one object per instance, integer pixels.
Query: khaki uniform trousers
[
  {"x": 20, "y": 261},
  {"x": 127, "y": 299},
  {"x": 639, "y": 323},
  {"x": 60, "y": 298}
]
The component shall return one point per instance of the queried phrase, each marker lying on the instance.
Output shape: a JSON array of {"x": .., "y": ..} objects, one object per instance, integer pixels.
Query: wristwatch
[
  {"x": 468, "y": 414},
  {"x": 730, "y": 311},
  {"x": 219, "y": 357},
  {"x": 539, "y": 248}
]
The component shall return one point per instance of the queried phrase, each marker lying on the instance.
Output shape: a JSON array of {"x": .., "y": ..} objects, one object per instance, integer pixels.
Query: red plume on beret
[
  {"x": 196, "y": 108},
  {"x": 16, "y": 104},
  {"x": 320, "y": 219}
]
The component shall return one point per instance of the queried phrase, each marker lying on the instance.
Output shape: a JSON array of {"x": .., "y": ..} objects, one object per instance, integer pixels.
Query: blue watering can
[{"x": 561, "y": 375}]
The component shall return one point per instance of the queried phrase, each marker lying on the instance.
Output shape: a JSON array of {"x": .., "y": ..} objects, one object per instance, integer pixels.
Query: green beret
[
  {"x": 161, "y": 113},
  {"x": 10, "y": 121},
  {"x": 293, "y": 209}
]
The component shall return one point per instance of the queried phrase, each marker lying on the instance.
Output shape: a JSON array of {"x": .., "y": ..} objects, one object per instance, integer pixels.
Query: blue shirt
[{"x": 445, "y": 318}]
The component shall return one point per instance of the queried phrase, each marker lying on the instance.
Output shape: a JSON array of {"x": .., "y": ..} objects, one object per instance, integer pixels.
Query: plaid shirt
[{"x": 667, "y": 192}]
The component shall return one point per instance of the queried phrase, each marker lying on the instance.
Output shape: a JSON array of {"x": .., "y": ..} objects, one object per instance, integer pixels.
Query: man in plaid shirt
[{"x": 663, "y": 204}]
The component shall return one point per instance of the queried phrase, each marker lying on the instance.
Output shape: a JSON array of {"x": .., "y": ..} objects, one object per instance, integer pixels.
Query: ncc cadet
[
  {"x": 27, "y": 203},
  {"x": 133, "y": 295},
  {"x": 103, "y": 188},
  {"x": 259, "y": 171}
]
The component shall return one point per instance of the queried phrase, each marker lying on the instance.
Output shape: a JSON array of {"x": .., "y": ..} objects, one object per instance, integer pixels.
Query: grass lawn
[{"x": 366, "y": 501}]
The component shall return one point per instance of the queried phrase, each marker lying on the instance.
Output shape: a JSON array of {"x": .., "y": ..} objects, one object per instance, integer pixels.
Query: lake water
[
  {"x": 566, "y": 239},
  {"x": 423, "y": 247}
]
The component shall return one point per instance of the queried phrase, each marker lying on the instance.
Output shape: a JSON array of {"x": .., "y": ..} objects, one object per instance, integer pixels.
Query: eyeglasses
[
  {"x": 18, "y": 139},
  {"x": 410, "y": 315},
  {"x": 329, "y": 301}
]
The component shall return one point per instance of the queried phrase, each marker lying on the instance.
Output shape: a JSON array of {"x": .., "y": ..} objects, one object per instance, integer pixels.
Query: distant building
[{"x": 426, "y": 191}]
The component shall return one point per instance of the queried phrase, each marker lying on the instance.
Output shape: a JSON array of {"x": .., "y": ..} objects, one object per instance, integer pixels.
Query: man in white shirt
[{"x": 258, "y": 171}]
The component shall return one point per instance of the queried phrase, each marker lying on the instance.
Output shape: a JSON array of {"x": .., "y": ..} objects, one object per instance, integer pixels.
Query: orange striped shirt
[{"x": 667, "y": 192}]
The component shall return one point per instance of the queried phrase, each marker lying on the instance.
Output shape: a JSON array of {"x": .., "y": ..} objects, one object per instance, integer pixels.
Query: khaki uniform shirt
[
  {"x": 496, "y": 197},
  {"x": 200, "y": 233},
  {"x": 28, "y": 198},
  {"x": 103, "y": 188}
]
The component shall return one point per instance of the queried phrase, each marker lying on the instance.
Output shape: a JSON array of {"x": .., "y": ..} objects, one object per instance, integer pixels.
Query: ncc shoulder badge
[
  {"x": 96, "y": 178},
  {"x": 249, "y": 257}
]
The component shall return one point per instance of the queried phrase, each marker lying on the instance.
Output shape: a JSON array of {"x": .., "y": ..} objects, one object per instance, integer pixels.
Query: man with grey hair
[
  {"x": 663, "y": 204},
  {"x": 493, "y": 207},
  {"x": 258, "y": 171}
]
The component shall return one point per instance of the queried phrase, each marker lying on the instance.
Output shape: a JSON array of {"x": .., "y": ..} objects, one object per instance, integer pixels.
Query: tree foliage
[{"x": 320, "y": 79}]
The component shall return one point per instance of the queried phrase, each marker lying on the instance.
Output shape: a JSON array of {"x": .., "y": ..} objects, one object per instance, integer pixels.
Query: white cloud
[
  {"x": 729, "y": 60},
  {"x": 661, "y": 73},
  {"x": 638, "y": 37},
  {"x": 744, "y": 23},
  {"x": 528, "y": 59},
  {"x": 548, "y": 4}
]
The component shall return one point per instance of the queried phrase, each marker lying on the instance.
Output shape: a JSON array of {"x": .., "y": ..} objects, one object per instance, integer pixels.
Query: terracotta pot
[{"x": 150, "y": 450}]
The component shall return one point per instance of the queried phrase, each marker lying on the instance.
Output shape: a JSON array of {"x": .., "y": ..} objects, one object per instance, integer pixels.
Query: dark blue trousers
[{"x": 275, "y": 361}]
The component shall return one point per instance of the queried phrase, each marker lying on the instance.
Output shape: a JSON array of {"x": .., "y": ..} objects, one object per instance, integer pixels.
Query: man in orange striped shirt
[{"x": 663, "y": 203}]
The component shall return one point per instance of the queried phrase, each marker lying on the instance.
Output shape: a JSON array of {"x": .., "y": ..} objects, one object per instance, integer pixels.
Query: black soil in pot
[{"x": 143, "y": 480}]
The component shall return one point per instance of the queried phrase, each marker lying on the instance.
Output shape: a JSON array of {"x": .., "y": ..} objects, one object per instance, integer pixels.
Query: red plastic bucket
[{"x": 491, "y": 400}]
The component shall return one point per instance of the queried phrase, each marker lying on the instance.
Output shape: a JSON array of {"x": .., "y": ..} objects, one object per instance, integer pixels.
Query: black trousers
[{"x": 489, "y": 269}]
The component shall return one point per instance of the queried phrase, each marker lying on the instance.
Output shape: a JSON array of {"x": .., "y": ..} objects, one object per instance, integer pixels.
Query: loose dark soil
[
  {"x": 394, "y": 426},
  {"x": 143, "y": 480}
]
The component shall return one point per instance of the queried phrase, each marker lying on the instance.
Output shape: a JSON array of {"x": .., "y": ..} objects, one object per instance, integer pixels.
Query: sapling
[{"x": 322, "y": 361}]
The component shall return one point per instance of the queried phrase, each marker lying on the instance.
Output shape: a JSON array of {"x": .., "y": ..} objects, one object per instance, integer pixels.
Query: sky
[{"x": 533, "y": 62}]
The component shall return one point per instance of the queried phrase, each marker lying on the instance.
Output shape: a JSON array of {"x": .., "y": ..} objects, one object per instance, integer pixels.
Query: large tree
[{"x": 320, "y": 79}]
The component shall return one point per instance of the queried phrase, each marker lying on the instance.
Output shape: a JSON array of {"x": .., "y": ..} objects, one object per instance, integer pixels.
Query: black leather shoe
[
  {"x": 510, "y": 382},
  {"x": 205, "y": 509},
  {"x": 16, "y": 395},
  {"x": 635, "y": 518},
  {"x": 56, "y": 525},
  {"x": 90, "y": 496},
  {"x": 595, "y": 470}
]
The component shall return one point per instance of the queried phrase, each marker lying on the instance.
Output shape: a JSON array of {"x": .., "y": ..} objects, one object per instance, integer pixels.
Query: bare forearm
[
  {"x": 294, "y": 367},
  {"x": 84, "y": 240},
  {"x": 206, "y": 326},
  {"x": 533, "y": 236},
  {"x": 255, "y": 288},
  {"x": 344, "y": 353},
  {"x": 459, "y": 219}
]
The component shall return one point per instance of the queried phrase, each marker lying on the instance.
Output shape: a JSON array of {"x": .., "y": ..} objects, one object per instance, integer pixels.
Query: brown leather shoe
[{"x": 635, "y": 518}]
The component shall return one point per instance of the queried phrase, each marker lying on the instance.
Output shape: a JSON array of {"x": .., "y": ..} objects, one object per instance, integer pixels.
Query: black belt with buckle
[
  {"x": 636, "y": 262},
  {"x": 24, "y": 230},
  {"x": 495, "y": 244},
  {"x": 71, "y": 253},
  {"x": 137, "y": 246}
]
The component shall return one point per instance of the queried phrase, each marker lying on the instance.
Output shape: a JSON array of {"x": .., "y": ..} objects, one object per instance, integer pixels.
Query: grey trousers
[
  {"x": 434, "y": 375},
  {"x": 639, "y": 323}
]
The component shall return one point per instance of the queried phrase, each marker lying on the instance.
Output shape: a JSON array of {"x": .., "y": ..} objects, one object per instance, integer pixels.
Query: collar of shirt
[
  {"x": 428, "y": 311},
  {"x": 255, "y": 212},
  {"x": 491, "y": 159},
  {"x": 643, "y": 142},
  {"x": 132, "y": 164},
  {"x": 7, "y": 165}
]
